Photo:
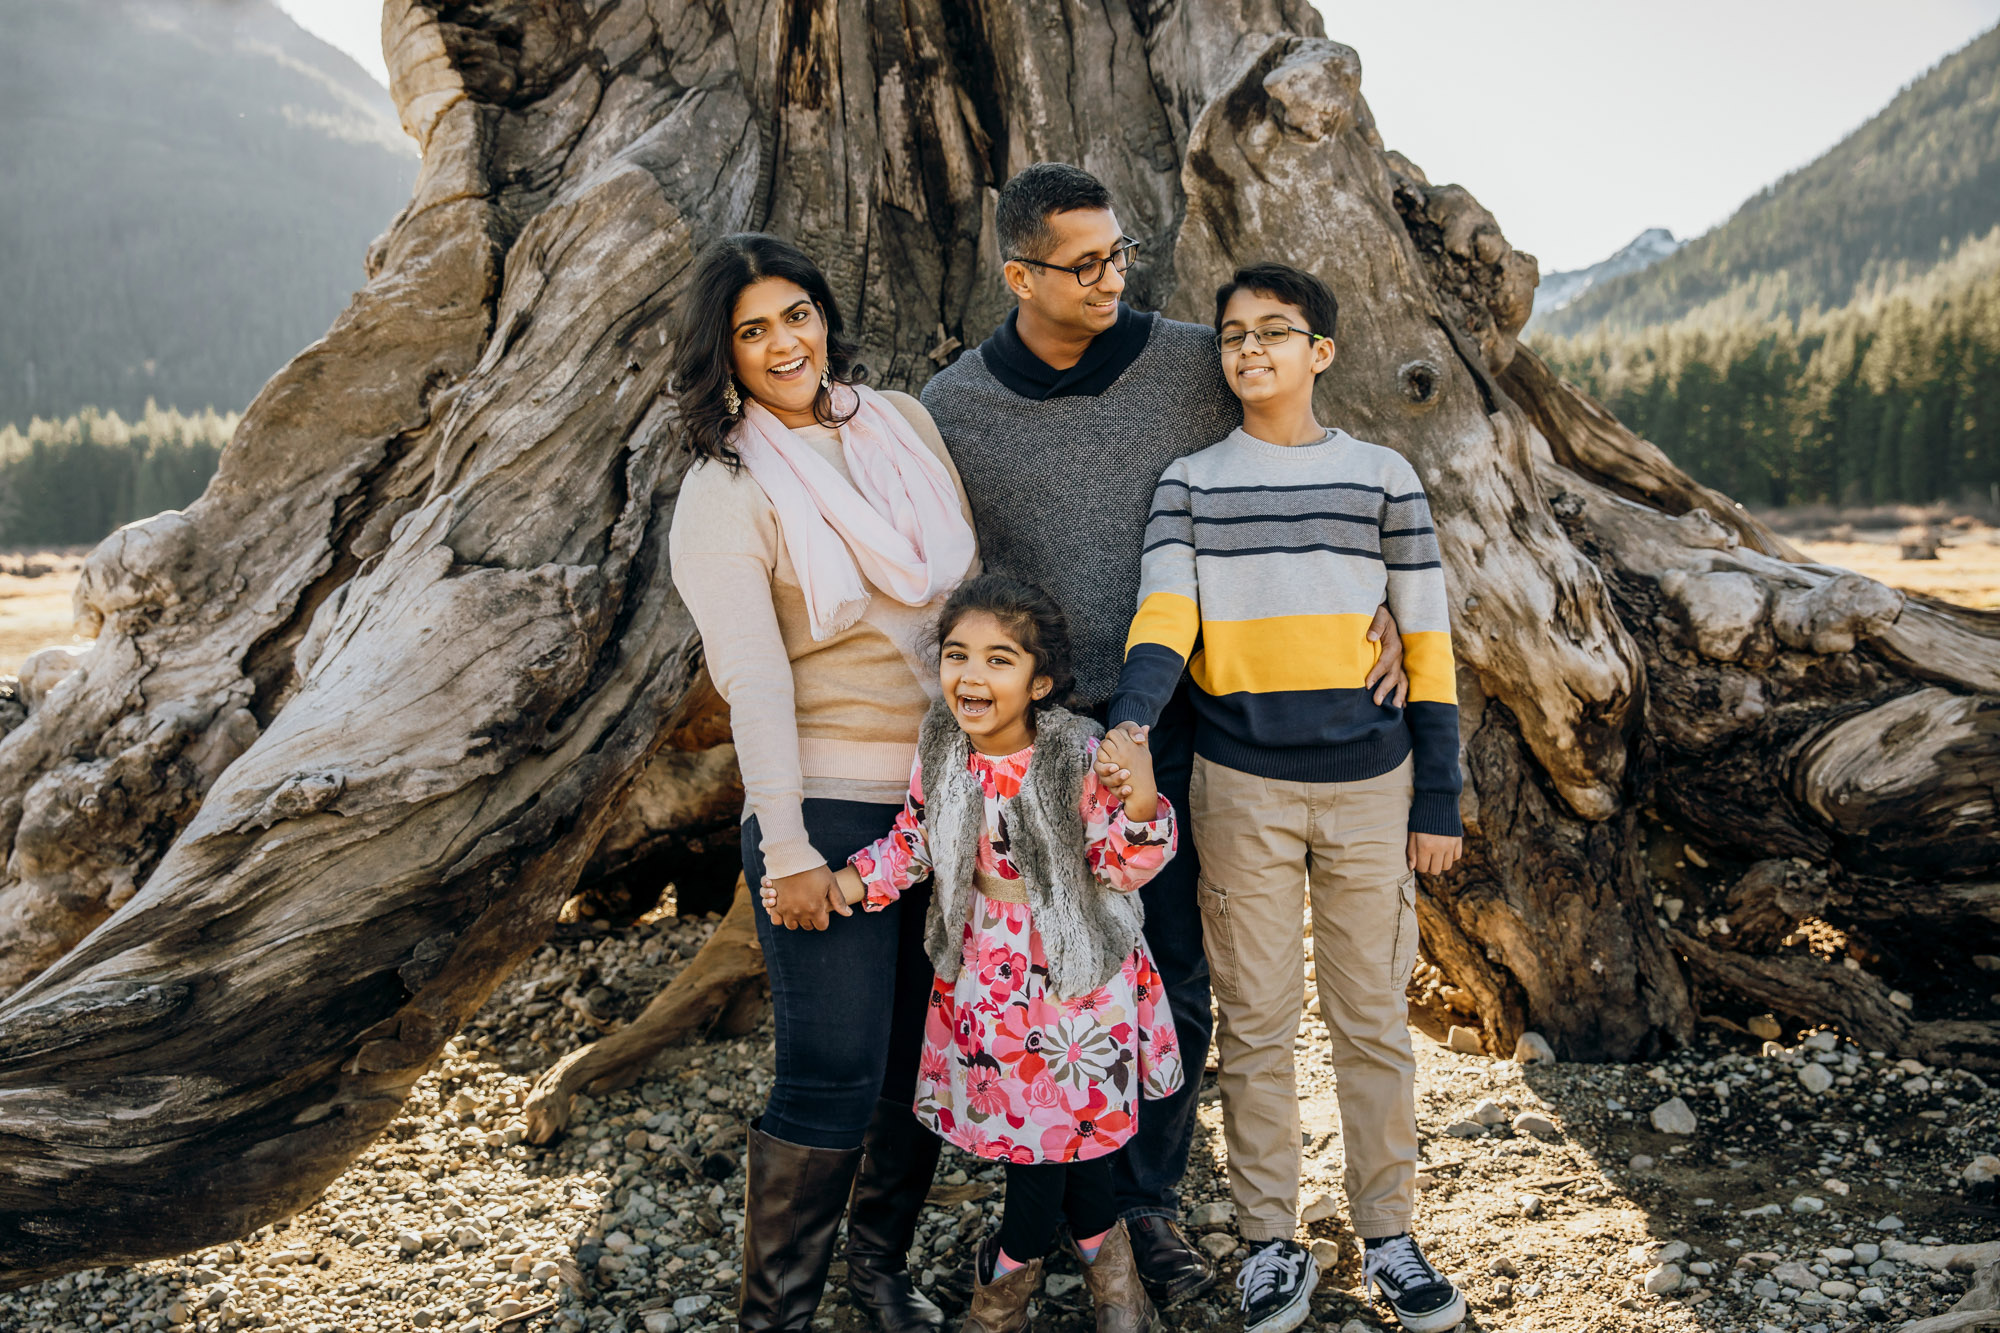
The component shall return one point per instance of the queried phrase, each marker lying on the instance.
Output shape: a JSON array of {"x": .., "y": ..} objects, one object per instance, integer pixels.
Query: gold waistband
[{"x": 997, "y": 889}]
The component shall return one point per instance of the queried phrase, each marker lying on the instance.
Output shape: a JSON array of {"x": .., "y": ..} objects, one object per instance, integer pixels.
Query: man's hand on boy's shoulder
[
  {"x": 1433, "y": 853},
  {"x": 1387, "y": 677}
]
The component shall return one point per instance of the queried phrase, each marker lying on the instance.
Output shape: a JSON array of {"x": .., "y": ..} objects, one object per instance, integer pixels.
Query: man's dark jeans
[
  {"x": 849, "y": 1001},
  {"x": 1148, "y": 1172}
]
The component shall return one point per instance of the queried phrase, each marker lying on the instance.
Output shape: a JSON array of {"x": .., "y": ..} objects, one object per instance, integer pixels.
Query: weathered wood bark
[{"x": 356, "y": 721}]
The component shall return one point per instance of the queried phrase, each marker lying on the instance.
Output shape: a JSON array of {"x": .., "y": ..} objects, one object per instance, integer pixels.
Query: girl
[
  {"x": 817, "y": 529},
  {"x": 1047, "y": 1020}
]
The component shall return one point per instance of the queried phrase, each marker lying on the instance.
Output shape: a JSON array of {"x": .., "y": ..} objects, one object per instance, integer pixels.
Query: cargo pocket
[
  {"x": 1403, "y": 960},
  {"x": 1218, "y": 941}
]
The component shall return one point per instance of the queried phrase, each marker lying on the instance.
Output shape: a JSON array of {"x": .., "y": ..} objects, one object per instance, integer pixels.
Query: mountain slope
[
  {"x": 1883, "y": 205},
  {"x": 1558, "y": 290},
  {"x": 192, "y": 185}
]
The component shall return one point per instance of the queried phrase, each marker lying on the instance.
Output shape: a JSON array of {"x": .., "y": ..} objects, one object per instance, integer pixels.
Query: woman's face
[{"x": 777, "y": 345}]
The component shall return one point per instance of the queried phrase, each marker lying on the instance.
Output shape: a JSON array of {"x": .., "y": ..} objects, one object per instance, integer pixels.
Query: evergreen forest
[{"x": 70, "y": 482}]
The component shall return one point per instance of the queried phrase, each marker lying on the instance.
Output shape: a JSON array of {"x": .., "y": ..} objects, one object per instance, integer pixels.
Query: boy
[{"x": 1264, "y": 556}]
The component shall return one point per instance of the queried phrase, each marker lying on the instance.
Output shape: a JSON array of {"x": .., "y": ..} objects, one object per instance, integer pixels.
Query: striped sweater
[{"x": 1263, "y": 566}]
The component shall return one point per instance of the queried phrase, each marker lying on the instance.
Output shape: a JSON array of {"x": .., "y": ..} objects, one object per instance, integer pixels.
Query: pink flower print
[
  {"x": 933, "y": 1068},
  {"x": 986, "y": 1093},
  {"x": 1017, "y": 1043},
  {"x": 1002, "y": 968},
  {"x": 966, "y": 1035},
  {"x": 1089, "y": 1003},
  {"x": 1165, "y": 1042},
  {"x": 1004, "y": 1149},
  {"x": 1080, "y": 1052},
  {"x": 1040, "y": 1093},
  {"x": 1092, "y": 1124}
]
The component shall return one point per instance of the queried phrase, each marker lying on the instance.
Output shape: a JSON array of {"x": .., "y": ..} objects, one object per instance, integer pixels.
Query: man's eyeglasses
[
  {"x": 1270, "y": 335},
  {"x": 1091, "y": 271}
]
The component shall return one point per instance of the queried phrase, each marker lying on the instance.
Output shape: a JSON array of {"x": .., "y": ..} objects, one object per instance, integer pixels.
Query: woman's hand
[
  {"x": 1387, "y": 676},
  {"x": 804, "y": 901}
]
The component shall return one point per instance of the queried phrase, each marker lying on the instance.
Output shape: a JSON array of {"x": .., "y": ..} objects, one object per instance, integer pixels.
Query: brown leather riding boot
[
  {"x": 793, "y": 1197},
  {"x": 898, "y": 1158},
  {"x": 1000, "y": 1304},
  {"x": 1121, "y": 1300}
]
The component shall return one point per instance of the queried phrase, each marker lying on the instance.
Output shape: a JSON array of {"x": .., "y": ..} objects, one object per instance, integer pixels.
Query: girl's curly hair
[{"x": 1029, "y": 614}]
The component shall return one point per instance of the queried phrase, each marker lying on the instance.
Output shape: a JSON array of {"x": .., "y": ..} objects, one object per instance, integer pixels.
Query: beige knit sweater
[{"x": 835, "y": 719}]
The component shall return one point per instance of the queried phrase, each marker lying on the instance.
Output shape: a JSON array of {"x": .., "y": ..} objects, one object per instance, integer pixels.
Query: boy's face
[{"x": 1278, "y": 373}]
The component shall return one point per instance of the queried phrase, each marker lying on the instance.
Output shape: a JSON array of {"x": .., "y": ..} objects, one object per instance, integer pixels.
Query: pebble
[
  {"x": 1325, "y": 1253},
  {"x": 1489, "y": 1112},
  {"x": 1982, "y": 1169},
  {"x": 1209, "y": 1216},
  {"x": 1640, "y": 1162},
  {"x": 1534, "y": 1048},
  {"x": 1465, "y": 1129},
  {"x": 1529, "y": 1204},
  {"x": 1320, "y": 1209},
  {"x": 1062, "y": 1284},
  {"x": 1465, "y": 1041},
  {"x": 1866, "y": 1252},
  {"x": 1664, "y": 1279},
  {"x": 1808, "y": 1203},
  {"x": 1816, "y": 1078},
  {"x": 1217, "y": 1244},
  {"x": 1535, "y": 1123},
  {"x": 1674, "y": 1116},
  {"x": 1765, "y": 1026}
]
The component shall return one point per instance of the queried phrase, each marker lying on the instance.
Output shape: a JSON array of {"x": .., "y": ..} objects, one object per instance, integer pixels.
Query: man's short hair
[
  {"x": 1036, "y": 193},
  {"x": 1282, "y": 282}
]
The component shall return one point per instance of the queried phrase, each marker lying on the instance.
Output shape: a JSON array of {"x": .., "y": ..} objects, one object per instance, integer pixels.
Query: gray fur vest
[{"x": 1087, "y": 927}]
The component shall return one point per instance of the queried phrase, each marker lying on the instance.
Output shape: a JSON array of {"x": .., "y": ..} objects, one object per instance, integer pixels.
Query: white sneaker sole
[
  {"x": 1437, "y": 1321},
  {"x": 1295, "y": 1311}
]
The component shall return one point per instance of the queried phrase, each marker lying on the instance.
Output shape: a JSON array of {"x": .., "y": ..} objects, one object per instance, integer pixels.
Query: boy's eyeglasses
[
  {"x": 1268, "y": 336},
  {"x": 1091, "y": 271}
]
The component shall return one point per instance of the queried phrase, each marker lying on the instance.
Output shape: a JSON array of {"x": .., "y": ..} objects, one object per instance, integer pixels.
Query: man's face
[{"x": 1082, "y": 235}]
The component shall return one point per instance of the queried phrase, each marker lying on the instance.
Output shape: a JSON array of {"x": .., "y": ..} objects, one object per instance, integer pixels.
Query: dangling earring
[
  {"x": 732, "y": 401},
  {"x": 826, "y": 379}
]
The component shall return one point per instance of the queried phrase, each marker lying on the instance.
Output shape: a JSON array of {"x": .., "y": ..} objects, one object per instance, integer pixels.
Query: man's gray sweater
[{"x": 1061, "y": 487}]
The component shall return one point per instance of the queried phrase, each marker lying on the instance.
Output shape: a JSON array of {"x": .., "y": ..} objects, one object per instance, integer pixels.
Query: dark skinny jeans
[{"x": 849, "y": 1001}]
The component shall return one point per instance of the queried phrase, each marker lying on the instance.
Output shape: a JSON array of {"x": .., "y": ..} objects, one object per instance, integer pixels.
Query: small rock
[
  {"x": 1664, "y": 1279},
  {"x": 1808, "y": 1203},
  {"x": 1871, "y": 1296},
  {"x": 1890, "y": 1223},
  {"x": 1900, "y": 1000},
  {"x": 1534, "y": 1048},
  {"x": 1325, "y": 1253},
  {"x": 661, "y": 1321},
  {"x": 1702, "y": 1268},
  {"x": 1465, "y": 1129},
  {"x": 1866, "y": 1252},
  {"x": 1502, "y": 1266},
  {"x": 1209, "y": 1216},
  {"x": 1465, "y": 1041},
  {"x": 1535, "y": 1123},
  {"x": 1673, "y": 1116},
  {"x": 1765, "y": 1026},
  {"x": 1982, "y": 1170},
  {"x": 1529, "y": 1204},
  {"x": 410, "y": 1242},
  {"x": 1355, "y": 1326},
  {"x": 1766, "y": 1290},
  {"x": 1837, "y": 1255},
  {"x": 692, "y": 1305},
  {"x": 1917, "y": 1086},
  {"x": 1640, "y": 1162},
  {"x": 1837, "y": 1289},
  {"x": 1322, "y": 1207},
  {"x": 1216, "y": 1244},
  {"x": 1986, "y": 962},
  {"x": 1816, "y": 1078},
  {"x": 1489, "y": 1112},
  {"x": 1061, "y": 1284},
  {"x": 1671, "y": 1253},
  {"x": 1796, "y": 1275},
  {"x": 1822, "y": 1041}
]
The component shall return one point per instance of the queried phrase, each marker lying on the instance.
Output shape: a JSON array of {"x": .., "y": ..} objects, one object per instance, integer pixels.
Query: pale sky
[{"x": 1580, "y": 123}]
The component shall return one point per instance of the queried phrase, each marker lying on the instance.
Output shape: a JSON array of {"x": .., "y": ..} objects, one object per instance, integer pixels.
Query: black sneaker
[
  {"x": 1277, "y": 1283},
  {"x": 1422, "y": 1297}
]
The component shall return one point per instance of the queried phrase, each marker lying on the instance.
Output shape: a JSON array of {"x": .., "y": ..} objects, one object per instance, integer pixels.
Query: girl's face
[
  {"x": 990, "y": 682},
  {"x": 777, "y": 347}
]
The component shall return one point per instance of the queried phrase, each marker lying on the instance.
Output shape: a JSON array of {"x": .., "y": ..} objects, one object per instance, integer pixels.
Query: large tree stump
[{"x": 355, "y": 722}]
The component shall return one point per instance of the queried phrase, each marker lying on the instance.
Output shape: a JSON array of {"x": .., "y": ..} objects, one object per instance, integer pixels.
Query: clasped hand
[{"x": 805, "y": 901}]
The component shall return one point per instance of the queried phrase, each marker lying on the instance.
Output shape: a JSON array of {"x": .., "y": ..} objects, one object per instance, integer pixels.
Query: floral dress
[{"x": 1009, "y": 1071}]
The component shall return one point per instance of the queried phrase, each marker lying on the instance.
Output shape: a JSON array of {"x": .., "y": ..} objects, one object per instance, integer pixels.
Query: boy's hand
[
  {"x": 1130, "y": 755},
  {"x": 1116, "y": 776},
  {"x": 1433, "y": 853},
  {"x": 1388, "y": 668}
]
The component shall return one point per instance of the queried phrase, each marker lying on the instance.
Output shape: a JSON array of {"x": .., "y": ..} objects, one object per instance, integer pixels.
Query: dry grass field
[{"x": 35, "y": 588}]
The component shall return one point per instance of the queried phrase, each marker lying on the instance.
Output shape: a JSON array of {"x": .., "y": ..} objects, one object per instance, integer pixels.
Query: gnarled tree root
[{"x": 705, "y": 990}]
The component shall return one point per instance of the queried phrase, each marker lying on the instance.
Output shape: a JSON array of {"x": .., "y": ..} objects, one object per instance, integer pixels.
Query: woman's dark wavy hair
[
  {"x": 1029, "y": 614},
  {"x": 702, "y": 367}
]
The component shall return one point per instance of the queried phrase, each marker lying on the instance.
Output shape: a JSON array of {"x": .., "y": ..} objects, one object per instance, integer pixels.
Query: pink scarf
[{"x": 898, "y": 525}]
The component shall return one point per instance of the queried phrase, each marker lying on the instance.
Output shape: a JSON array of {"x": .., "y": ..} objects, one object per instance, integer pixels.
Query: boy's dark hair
[
  {"x": 1021, "y": 217},
  {"x": 1029, "y": 614},
  {"x": 1314, "y": 298},
  {"x": 701, "y": 368}
]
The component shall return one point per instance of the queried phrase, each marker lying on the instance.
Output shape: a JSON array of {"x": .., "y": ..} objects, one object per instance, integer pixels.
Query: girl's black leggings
[{"x": 1045, "y": 1193}]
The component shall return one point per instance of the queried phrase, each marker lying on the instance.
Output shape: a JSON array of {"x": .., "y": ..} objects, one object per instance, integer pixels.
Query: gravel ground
[{"x": 1558, "y": 1195}]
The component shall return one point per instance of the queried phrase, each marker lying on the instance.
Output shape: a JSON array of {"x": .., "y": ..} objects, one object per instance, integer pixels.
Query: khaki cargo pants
[{"x": 1263, "y": 843}]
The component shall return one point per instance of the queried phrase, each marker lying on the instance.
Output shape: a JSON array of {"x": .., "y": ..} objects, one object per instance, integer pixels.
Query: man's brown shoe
[
  {"x": 1171, "y": 1268},
  {"x": 1115, "y": 1289},
  {"x": 1000, "y": 1304}
]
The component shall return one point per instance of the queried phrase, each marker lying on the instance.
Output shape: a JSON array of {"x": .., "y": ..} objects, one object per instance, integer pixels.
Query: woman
[{"x": 817, "y": 525}]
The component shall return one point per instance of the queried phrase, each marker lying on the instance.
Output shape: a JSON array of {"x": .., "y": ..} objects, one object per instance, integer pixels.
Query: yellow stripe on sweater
[
  {"x": 1427, "y": 659},
  {"x": 1168, "y": 619},
  {"x": 1280, "y": 653}
]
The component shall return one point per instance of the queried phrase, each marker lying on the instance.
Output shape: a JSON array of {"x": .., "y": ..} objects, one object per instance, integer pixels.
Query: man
[{"x": 1060, "y": 424}]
